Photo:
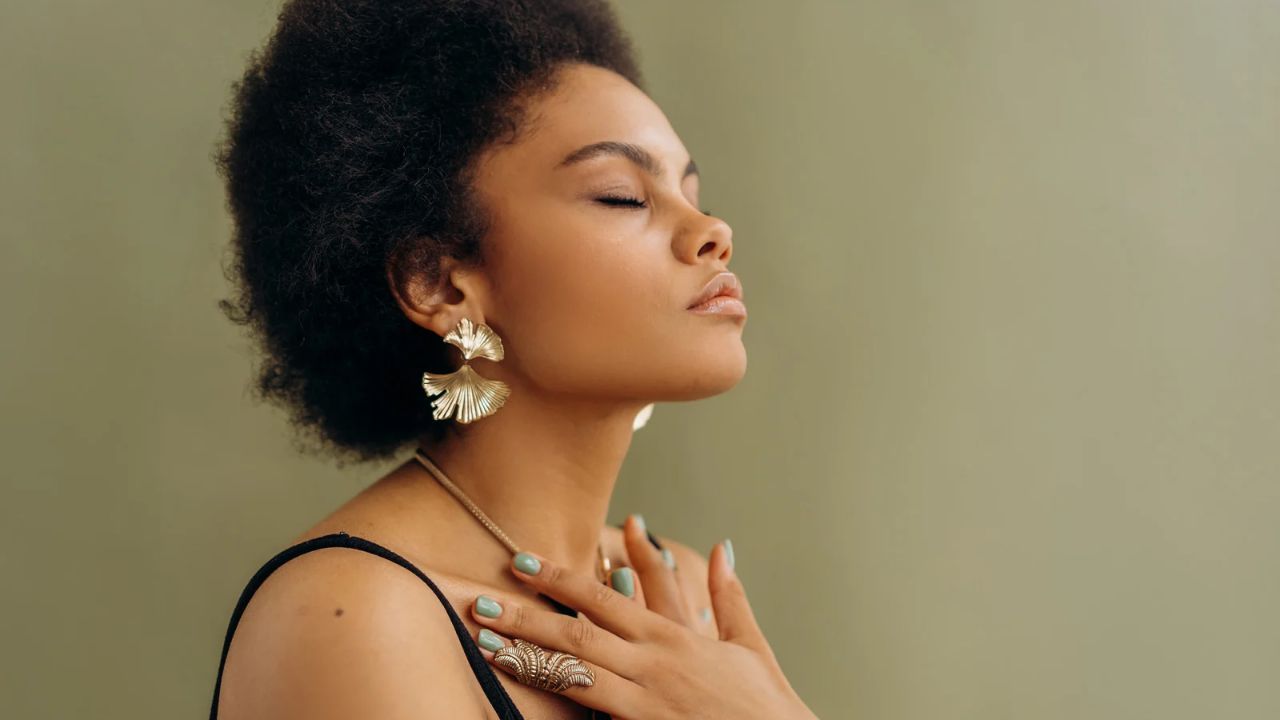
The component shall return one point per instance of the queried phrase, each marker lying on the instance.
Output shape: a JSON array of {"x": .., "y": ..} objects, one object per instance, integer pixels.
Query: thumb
[{"x": 734, "y": 618}]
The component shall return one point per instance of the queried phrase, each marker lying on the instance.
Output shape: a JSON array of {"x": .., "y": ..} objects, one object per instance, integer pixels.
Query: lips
[{"x": 724, "y": 284}]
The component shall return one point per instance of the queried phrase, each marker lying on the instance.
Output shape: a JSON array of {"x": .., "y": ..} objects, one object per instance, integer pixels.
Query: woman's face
[{"x": 590, "y": 295}]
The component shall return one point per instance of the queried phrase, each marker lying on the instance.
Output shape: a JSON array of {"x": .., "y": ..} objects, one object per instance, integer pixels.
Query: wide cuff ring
[{"x": 537, "y": 667}]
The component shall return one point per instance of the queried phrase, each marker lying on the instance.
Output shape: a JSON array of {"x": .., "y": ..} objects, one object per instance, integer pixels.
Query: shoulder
[{"x": 338, "y": 632}]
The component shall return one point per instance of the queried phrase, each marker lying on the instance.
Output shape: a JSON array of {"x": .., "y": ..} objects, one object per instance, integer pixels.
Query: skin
[{"x": 590, "y": 298}]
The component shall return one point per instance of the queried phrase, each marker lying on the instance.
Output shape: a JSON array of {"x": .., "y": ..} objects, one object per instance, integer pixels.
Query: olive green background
[{"x": 1009, "y": 440}]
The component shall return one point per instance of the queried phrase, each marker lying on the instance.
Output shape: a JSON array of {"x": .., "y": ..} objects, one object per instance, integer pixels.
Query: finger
[
  {"x": 734, "y": 617},
  {"x": 606, "y": 607},
  {"x": 662, "y": 588},
  {"x": 552, "y": 630},
  {"x": 608, "y": 691},
  {"x": 625, "y": 580}
]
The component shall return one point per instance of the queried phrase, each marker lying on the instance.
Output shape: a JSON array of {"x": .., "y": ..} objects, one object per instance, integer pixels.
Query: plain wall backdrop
[{"x": 1008, "y": 443}]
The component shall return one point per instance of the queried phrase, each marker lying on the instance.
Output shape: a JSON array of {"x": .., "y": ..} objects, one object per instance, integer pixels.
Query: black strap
[
  {"x": 489, "y": 682},
  {"x": 493, "y": 688}
]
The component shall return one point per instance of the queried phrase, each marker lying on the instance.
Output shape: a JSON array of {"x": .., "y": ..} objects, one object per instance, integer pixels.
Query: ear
[{"x": 438, "y": 304}]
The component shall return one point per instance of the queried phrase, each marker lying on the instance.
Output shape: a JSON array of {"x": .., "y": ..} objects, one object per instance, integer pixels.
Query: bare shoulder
[{"x": 339, "y": 633}]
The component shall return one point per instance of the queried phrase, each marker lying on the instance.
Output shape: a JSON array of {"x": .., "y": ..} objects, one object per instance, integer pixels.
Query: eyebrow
[{"x": 630, "y": 151}]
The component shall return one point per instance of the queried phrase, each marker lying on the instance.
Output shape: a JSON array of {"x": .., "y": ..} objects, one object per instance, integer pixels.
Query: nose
[{"x": 705, "y": 238}]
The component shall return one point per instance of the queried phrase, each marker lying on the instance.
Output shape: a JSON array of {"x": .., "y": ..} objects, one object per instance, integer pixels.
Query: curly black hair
[{"x": 350, "y": 143}]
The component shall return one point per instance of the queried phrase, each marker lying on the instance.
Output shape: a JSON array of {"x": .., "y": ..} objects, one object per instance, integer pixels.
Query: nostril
[{"x": 724, "y": 245}]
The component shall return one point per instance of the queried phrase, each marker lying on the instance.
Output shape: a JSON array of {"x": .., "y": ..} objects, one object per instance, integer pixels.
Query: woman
[{"x": 463, "y": 226}]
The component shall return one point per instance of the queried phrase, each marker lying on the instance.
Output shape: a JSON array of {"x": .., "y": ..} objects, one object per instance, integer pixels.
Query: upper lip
[{"x": 723, "y": 283}]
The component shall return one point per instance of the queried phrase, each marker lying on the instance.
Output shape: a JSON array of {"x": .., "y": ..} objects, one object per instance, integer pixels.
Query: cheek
[{"x": 582, "y": 310}]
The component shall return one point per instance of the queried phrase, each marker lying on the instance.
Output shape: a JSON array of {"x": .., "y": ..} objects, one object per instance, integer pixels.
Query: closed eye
[{"x": 615, "y": 201}]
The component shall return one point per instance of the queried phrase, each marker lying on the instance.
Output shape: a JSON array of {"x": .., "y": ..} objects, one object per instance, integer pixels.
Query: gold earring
[{"x": 463, "y": 390}]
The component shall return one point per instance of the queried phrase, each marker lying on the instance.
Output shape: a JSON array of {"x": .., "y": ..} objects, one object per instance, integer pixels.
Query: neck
[{"x": 543, "y": 471}]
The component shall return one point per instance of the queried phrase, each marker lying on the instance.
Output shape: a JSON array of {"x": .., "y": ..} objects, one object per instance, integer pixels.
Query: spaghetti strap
[{"x": 493, "y": 689}]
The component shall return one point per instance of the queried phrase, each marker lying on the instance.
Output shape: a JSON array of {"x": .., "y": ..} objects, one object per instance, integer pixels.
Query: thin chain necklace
[
  {"x": 438, "y": 474},
  {"x": 602, "y": 571}
]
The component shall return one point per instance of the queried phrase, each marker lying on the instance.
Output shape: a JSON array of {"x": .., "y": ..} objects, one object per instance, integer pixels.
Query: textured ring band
[{"x": 535, "y": 666}]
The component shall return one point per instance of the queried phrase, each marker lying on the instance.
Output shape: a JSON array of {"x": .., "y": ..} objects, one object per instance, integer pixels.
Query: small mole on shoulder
[{"x": 337, "y": 613}]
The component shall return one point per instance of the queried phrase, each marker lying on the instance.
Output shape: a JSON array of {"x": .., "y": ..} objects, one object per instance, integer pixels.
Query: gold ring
[{"x": 534, "y": 666}]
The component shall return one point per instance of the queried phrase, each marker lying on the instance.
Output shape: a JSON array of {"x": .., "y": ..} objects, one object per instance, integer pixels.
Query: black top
[{"x": 493, "y": 689}]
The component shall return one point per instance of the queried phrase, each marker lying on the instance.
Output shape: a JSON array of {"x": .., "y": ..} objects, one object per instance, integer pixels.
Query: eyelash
[
  {"x": 630, "y": 202},
  {"x": 623, "y": 201}
]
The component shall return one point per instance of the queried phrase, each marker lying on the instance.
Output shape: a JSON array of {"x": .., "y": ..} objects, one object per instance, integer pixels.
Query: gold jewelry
[
  {"x": 463, "y": 390},
  {"x": 533, "y": 665}
]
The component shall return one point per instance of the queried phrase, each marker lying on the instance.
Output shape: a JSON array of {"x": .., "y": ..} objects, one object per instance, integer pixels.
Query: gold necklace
[{"x": 490, "y": 525}]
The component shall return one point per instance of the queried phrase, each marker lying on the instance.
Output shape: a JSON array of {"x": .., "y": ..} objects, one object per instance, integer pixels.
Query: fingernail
[
  {"x": 488, "y": 607},
  {"x": 728, "y": 549},
  {"x": 489, "y": 640},
  {"x": 669, "y": 558},
  {"x": 527, "y": 563},
  {"x": 623, "y": 581},
  {"x": 639, "y": 520}
]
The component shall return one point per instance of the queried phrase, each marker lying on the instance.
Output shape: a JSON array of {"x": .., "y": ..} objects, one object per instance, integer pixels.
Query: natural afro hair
[{"x": 350, "y": 144}]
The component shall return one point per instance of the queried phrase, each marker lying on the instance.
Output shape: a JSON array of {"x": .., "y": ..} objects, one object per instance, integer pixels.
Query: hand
[
  {"x": 647, "y": 665},
  {"x": 657, "y": 587}
]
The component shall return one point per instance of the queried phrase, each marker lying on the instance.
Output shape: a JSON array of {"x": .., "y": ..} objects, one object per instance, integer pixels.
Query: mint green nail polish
[
  {"x": 527, "y": 563},
  {"x": 639, "y": 520},
  {"x": 669, "y": 558},
  {"x": 728, "y": 549},
  {"x": 488, "y": 607},
  {"x": 624, "y": 581},
  {"x": 489, "y": 640}
]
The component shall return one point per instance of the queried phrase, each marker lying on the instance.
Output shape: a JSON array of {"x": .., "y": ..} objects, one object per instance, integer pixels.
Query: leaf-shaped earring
[{"x": 463, "y": 392}]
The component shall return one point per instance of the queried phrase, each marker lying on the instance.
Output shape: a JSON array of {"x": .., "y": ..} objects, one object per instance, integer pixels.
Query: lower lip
[{"x": 721, "y": 305}]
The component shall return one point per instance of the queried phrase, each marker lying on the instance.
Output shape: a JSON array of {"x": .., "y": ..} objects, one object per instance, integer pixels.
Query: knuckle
[
  {"x": 553, "y": 574},
  {"x": 604, "y": 596},
  {"x": 519, "y": 618},
  {"x": 579, "y": 635}
]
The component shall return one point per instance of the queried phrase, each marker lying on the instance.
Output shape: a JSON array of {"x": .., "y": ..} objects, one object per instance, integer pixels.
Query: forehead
[{"x": 589, "y": 105}]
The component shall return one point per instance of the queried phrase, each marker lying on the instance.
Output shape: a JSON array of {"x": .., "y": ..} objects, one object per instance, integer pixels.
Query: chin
[{"x": 712, "y": 371}]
